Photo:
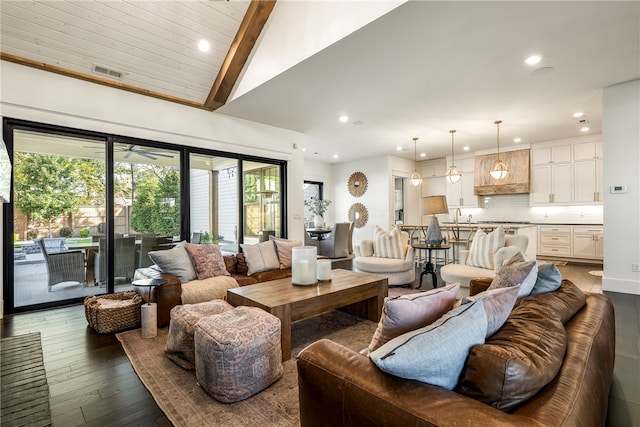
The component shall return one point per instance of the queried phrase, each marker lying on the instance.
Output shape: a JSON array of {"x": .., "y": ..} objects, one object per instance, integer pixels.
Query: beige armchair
[
  {"x": 399, "y": 271},
  {"x": 463, "y": 273}
]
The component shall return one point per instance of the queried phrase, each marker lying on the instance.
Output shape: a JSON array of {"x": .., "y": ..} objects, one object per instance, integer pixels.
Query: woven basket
[{"x": 107, "y": 319}]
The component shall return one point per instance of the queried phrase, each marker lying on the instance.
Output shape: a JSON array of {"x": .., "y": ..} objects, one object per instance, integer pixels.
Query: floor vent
[{"x": 108, "y": 72}]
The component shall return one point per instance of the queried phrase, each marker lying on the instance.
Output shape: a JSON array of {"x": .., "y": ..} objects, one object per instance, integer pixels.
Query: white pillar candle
[
  {"x": 324, "y": 269},
  {"x": 149, "y": 317},
  {"x": 304, "y": 265}
]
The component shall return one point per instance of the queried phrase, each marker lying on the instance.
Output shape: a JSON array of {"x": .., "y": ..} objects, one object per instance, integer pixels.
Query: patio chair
[
  {"x": 65, "y": 266},
  {"x": 125, "y": 259},
  {"x": 147, "y": 244}
]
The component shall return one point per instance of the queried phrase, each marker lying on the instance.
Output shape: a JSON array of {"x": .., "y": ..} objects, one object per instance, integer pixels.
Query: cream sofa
[
  {"x": 397, "y": 271},
  {"x": 463, "y": 273}
]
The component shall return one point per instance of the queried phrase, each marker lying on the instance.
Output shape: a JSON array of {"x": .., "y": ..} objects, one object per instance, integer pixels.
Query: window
[{"x": 311, "y": 189}]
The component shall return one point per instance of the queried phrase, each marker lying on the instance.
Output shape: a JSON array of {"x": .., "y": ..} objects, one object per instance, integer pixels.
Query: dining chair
[{"x": 337, "y": 244}]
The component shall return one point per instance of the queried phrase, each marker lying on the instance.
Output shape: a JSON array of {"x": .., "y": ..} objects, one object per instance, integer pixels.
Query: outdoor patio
[{"x": 30, "y": 278}]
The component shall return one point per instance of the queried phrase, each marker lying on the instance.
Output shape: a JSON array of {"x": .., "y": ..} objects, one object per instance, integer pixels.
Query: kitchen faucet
[{"x": 458, "y": 213}]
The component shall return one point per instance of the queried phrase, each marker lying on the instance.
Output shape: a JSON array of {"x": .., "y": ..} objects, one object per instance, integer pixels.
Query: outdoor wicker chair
[
  {"x": 125, "y": 259},
  {"x": 65, "y": 266}
]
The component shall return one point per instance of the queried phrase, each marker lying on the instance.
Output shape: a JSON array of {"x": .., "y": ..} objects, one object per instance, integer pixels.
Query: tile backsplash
[{"x": 515, "y": 208}]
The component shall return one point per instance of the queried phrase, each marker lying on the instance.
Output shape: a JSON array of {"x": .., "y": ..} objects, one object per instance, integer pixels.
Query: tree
[
  {"x": 47, "y": 186},
  {"x": 156, "y": 208}
]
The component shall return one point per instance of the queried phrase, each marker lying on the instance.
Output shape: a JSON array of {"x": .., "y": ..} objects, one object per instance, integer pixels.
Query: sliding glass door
[
  {"x": 87, "y": 208},
  {"x": 214, "y": 201},
  {"x": 59, "y": 203},
  {"x": 262, "y": 201}
]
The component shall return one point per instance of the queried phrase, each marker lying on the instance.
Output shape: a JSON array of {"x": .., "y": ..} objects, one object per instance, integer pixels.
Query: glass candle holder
[
  {"x": 324, "y": 270},
  {"x": 304, "y": 265}
]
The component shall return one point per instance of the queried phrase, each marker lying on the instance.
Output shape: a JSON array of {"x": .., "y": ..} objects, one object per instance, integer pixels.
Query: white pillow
[
  {"x": 260, "y": 257},
  {"x": 388, "y": 244},
  {"x": 484, "y": 246}
]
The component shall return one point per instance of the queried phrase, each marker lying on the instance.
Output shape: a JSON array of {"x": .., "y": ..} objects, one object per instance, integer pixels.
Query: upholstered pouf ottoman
[
  {"x": 238, "y": 353},
  {"x": 180, "y": 347}
]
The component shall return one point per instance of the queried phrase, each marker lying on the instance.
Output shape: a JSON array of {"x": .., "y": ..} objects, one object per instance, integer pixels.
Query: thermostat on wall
[{"x": 618, "y": 189}]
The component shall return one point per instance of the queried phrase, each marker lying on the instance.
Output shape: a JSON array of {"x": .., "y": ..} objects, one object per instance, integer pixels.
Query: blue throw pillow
[
  {"x": 436, "y": 353},
  {"x": 549, "y": 279}
]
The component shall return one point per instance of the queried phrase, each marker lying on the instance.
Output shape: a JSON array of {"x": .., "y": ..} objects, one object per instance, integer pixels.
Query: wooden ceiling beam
[{"x": 252, "y": 24}]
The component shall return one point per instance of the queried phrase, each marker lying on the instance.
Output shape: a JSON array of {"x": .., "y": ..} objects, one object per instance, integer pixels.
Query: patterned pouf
[
  {"x": 238, "y": 353},
  {"x": 180, "y": 346}
]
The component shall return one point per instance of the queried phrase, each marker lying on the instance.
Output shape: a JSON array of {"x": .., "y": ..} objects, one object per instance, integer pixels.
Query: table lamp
[{"x": 433, "y": 205}]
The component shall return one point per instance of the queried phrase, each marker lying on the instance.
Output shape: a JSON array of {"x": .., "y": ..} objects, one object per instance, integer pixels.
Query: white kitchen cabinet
[
  {"x": 551, "y": 184},
  {"x": 554, "y": 241},
  {"x": 565, "y": 241},
  {"x": 433, "y": 180},
  {"x": 460, "y": 194},
  {"x": 588, "y": 242},
  {"x": 587, "y": 173},
  {"x": 550, "y": 155}
]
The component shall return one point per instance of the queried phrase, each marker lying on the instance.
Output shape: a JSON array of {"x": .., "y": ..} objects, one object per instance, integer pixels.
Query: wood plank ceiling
[{"x": 152, "y": 44}]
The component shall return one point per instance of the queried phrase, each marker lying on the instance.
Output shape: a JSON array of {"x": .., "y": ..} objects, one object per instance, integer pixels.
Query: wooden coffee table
[{"x": 356, "y": 293}]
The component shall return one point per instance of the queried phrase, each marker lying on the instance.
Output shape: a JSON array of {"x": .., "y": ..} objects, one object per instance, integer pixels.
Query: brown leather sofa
[
  {"x": 340, "y": 387},
  {"x": 168, "y": 296}
]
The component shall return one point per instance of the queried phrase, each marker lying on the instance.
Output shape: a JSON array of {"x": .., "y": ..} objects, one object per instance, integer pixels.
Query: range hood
[{"x": 516, "y": 181}]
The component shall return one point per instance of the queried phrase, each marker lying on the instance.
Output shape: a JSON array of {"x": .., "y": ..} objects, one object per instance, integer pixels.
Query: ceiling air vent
[{"x": 108, "y": 72}]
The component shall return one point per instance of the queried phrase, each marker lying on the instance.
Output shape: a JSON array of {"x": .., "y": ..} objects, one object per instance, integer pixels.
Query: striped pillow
[
  {"x": 484, "y": 246},
  {"x": 388, "y": 244}
]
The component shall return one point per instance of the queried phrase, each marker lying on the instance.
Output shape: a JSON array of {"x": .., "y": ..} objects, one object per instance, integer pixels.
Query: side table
[
  {"x": 428, "y": 266},
  {"x": 149, "y": 311}
]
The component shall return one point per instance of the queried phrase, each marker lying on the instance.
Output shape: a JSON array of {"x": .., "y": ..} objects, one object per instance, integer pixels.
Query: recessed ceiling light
[
  {"x": 533, "y": 60},
  {"x": 578, "y": 114},
  {"x": 204, "y": 45},
  {"x": 398, "y": 148},
  {"x": 517, "y": 140},
  {"x": 304, "y": 149},
  {"x": 343, "y": 119},
  {"x": 584, "y": 128},
  {"x": 423, "y": 154},
  {"x": 335, "y": 156},
  {"x": 465, "y": 148}
]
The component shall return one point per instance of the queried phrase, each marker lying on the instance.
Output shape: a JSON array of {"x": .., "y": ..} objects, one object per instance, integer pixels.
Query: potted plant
[{"x": 317, "y": 207}]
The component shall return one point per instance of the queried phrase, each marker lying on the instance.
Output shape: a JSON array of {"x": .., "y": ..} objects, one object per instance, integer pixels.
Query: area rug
[
  {"x": 24, "y": 392},
  {"x": 177, "y": 393}
]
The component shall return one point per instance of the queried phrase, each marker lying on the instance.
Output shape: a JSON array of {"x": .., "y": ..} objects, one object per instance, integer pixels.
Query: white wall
[
  {"x": 296, "y": 30},
  {"x": 621, "y": 157},
  {"x": 45, "y": 97}
]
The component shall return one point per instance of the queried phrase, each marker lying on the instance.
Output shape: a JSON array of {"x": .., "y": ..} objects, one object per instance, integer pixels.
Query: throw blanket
[{"x": 216, "y": 287}]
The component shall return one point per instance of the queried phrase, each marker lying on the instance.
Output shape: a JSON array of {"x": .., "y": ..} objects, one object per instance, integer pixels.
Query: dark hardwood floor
[{"x": 91, "y": 381}]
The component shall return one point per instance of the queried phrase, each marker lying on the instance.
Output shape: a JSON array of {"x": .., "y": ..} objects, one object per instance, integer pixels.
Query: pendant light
[
  {"x": 499, "y": 171},
  {"x": 415, "y": 179},
  {"x": 453, "y": 174}
]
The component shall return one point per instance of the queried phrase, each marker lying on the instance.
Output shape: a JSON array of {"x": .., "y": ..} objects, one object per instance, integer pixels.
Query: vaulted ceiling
[
  {"x": 418, "y": 71},
  {"x": 147, "y": 47}
]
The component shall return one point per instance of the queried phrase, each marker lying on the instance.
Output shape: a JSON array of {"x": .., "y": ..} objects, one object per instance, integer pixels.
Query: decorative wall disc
[
  {"x": 357, "y": 184},
  {"x": 358, "y": 215}
]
